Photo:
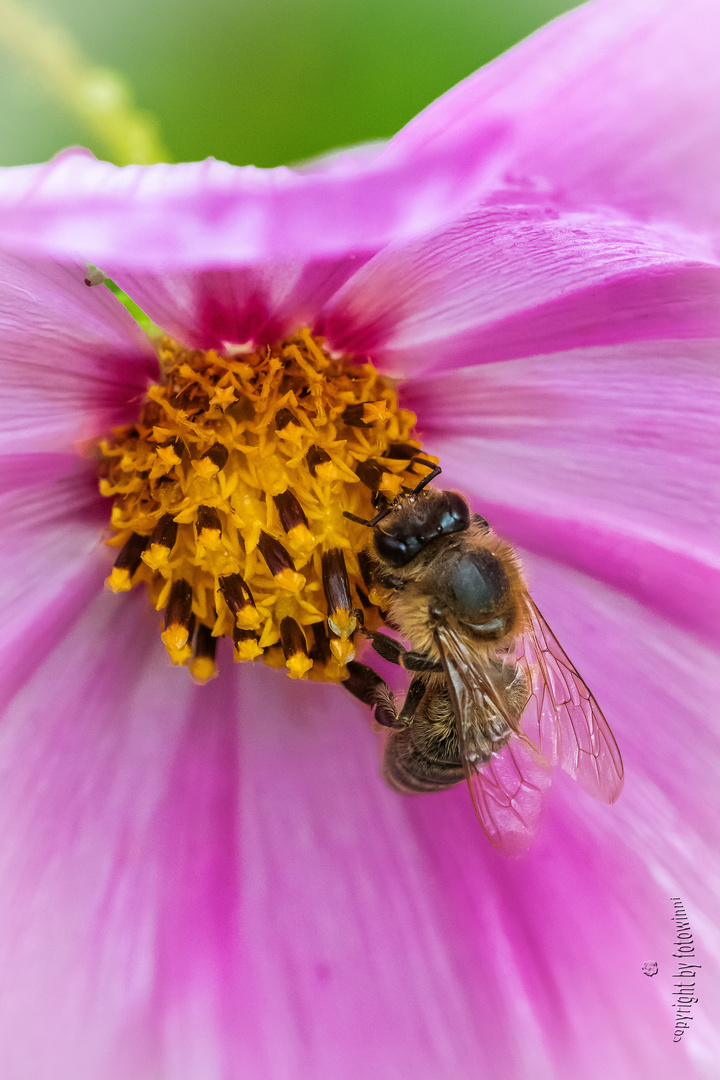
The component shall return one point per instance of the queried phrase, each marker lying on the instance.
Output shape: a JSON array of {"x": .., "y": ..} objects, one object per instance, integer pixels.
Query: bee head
[{"x": 414, "y": 521}]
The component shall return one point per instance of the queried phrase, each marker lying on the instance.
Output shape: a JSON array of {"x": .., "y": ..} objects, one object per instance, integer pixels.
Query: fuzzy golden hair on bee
[{"x": 493, "y": 698}]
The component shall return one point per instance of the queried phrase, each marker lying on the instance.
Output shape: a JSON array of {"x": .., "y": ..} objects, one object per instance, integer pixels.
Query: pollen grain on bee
[{"x": 229, "y": 494}]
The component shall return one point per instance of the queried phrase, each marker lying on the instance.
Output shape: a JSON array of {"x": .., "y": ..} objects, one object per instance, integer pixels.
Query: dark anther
[
  {"x": 316, "y": 456},
  {"x": 177, "y": 444},
  {"x": 130, "y": 554},
  {"x": 289, "y": 510},
  {"x": 335, "y": 581},
  {"x": 218, "y": 454},
  {"x": 370, "y": 472},
  {"x": 236, "y": 592},
  {"x": 242, "y": 635},
  {"x": 192, "y": 399},
  {"x": 320, "y": 652},
  {"x": 165, "y": 532},
  {"x": 179, "y": 607},
  {"x": 354, "y": 415},
  {"x": 207, "y": 519},
  {"x": 292, "y": 638},
  {"x": 363, "y": 597},
  {"x": 274, "y": 554},
  {"x": 205, "y": 643},
  {"x": 401, "y": 451},
  {"x": 336, "y": 585},
  {"x": 283, "y": 417},
  {"x": 366, "y": 569}
]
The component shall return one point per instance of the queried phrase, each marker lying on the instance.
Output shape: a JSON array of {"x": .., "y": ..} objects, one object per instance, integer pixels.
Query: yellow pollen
[
  {"x": 343, "y": 651},
  {"x": 119, "y": 580},
  {"x": 175, "y": 638},
  {"x": 229, "y": 497},
  {"x": 342, "y": 623},
  {"x": 202, "y": 669},
  {"x": 156, "y": 556}
]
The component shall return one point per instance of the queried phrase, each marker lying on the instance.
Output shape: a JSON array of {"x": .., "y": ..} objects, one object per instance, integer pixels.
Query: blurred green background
[{"x": 263, "y": 81}]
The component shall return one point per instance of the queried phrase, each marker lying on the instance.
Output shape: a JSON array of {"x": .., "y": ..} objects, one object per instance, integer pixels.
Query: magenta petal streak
[
  {"x": 72, "y": 364},
  {"x": 523, "y": 278}
]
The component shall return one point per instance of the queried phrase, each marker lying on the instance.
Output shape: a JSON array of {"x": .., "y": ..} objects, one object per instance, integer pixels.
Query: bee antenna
[
  {"x": 435, "y": 471},
  {"x": 372, "y": 522}
]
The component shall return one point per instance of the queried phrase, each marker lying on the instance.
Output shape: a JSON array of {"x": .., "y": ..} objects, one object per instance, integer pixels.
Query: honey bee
[{"x": 493, "y": 699}]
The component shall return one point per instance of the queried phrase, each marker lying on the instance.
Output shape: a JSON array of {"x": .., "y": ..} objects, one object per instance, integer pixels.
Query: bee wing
[
  {"x": 508, "y": 791},
  {"x": 561, "y": 715}
]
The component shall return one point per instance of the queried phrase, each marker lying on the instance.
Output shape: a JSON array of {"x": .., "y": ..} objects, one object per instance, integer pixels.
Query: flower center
[{"x": 229, "y": 497}]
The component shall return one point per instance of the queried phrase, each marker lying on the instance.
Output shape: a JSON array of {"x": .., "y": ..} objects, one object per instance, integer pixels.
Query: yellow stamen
[
  {"x": 290, "y": 580},
  {"x": 175, "y": 638},
  {"x": 342, "y": 623},
  {"x": 229, "y": 493},
  {"x": 342, "y": 650},
  {"x": 119, "y": 580},
  {"x": 202, "y": 669},
  {"x": 156, "y": 556},
  {"x": 248, "y": 649},
  {"x": 298, "y": 666}
]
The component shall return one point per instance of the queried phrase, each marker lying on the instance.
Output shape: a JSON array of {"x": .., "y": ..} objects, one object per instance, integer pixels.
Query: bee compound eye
[
  {"x": 458, "y": 511},
  {"x": 453, "y": 514},
  {"x": 396, "y": 550}
]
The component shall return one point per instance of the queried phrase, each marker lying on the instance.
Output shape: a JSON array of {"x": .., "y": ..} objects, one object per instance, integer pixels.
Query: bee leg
[
  {"x": 366, "y": 685},
  {"x": 385, "y": 646},
  {"x": 412, "y": 699},
  {"x": 392, "y": 650},
  {"x": 415, "y": 661}
]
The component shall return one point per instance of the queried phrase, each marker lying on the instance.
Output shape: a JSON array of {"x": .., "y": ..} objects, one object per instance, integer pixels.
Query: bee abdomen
[
  {"x": 411, "y": 772},
  {"x": 425, "y": 757}
]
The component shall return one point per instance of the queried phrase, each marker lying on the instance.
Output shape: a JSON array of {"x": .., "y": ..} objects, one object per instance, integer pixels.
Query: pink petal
[
  {"x": 210, "y": 214},
  {"x": 201, "y": 883},
  {"x": 50, "y": 562},
  {"x": 72, "y": 360},
  {"x": 210, "y": 308},
  {"x": 593, "y": 897},
  {"x": 609, "y": 104},
  {"x": 612, "y": 104},
  {"x": 606, "y": 459},
  {"x": 522, "y": 278},
  {"x": 88, "y": 751}
]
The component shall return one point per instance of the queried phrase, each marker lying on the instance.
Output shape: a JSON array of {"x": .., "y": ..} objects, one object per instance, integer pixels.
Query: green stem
[{"x": 98, "y": 96}]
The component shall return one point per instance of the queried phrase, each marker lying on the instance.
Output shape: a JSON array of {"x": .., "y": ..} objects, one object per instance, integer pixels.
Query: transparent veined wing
[
  {"x": 508, "y": 786},
  {"x": 561, "y": 716}
]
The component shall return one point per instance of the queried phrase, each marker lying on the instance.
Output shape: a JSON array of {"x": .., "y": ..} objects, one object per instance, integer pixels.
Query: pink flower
[{"x": 212, "y": 882}]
